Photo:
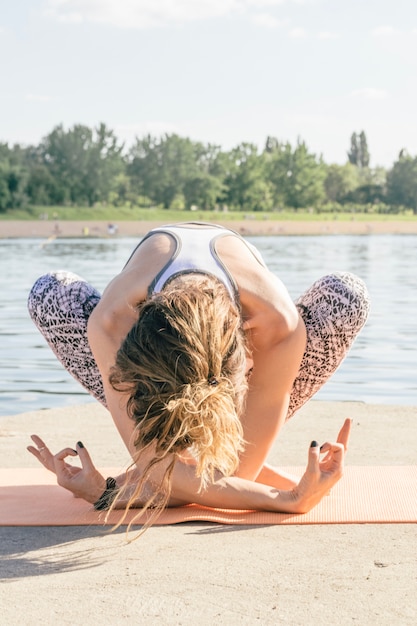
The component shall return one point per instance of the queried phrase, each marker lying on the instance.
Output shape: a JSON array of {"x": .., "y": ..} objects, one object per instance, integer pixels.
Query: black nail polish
[
  {"x": 75, "y": 451},
  {"x": 321, "y": 447},
  {"x": 80, "y": 445},
  {"x": 314, "y": 444}
]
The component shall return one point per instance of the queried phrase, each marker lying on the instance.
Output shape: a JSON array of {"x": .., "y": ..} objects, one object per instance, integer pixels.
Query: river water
[{"x": 380, "y": 368}]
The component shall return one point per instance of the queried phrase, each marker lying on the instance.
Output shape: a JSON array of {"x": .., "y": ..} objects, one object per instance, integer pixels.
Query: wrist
[
  {"x": 287, "y": 501},
  {"x": 106, "y": 498}
]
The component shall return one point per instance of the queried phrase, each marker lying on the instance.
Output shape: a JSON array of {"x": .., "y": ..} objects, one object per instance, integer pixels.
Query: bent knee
[
  {"x": 339, "y": 300},
  {"x": 49, "y": 291},
  {"x": 354, "y": 293}
]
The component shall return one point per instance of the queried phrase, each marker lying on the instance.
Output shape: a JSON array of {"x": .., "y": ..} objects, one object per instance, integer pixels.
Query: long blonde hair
[{"x": 183, "y": 364}]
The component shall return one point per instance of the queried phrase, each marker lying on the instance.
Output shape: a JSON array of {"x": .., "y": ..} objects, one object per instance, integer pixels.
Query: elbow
[
  {"x": 286, "y": 324},
  {"x": 290, "y": 322},
  {"x": 100, "y": 321}
]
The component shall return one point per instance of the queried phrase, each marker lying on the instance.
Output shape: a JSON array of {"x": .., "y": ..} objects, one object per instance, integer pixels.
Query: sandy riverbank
[
  {"x": 45, "y": 229},
  {"x": 211, "y": 574}
]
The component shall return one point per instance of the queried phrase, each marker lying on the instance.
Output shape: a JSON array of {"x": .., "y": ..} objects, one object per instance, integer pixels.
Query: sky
[{"x": 217, "y": 71}]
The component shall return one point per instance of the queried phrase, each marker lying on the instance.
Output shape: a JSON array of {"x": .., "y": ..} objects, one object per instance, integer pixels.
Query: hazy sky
[{"x": 219, "y": 71}]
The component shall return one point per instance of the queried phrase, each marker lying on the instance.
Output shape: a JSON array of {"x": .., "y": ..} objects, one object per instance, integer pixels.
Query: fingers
[
  {"x": 41, "y": 452},
  {"x": 334, "y": 458},
  {"x": 344, "y": 433},
  {"x": 35, "y": 452},
  {"x": 85, "y": 458},
  {"x": 313, "y": 457},
  {"x": 335, "y": 449},
  {"x": 64, "y": 471},
  {"x": 84, "y": 482},
  {"x": 62, "y": 455},
  {"x": 60, "y": 465},
  {"x": 38, "y": 441}
]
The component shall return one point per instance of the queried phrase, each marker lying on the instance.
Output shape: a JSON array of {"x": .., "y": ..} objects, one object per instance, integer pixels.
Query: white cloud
[
  {"x": 327, "y": 35},
  {"x": 264, "y": 3},
  {"x": 267, "y": 20},
  {"x": 70, "y": 18},
  {"x": 370, "y": 93},
  {"x": 33, "y": 97},
  {"x": 383, "y": 31},
  {"x": 297, "y": 33},
  {"x": 140, "y": 14},
  {"x": 308, "y": 2}
]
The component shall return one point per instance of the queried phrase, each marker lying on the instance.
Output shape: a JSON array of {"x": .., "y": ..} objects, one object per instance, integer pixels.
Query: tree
[
  {"x": 370, "y": 188},
  {"x": 354, "y": 154},
  {"x": 42, "y": 188},
  {"x": 340, "y": 181},
  {"x": 160, "y": 167},
  {"x": 247, "y": 188},
  {"x": 82, "y": 161},
  {"x": 363, "y": 150},
  {"x": 271, "y": 144},
  {"x": 104, "y": 164},
  {"x": 13, "y": 176},
  {"x": 297, "y": 176},
  {"x": 203, "y": 191},
  {"x": 4, "y": 189},
  {"x": 175, "y": 170},
  {"x": 359, "y": 153},
  {"x": 402, "y": 182}
]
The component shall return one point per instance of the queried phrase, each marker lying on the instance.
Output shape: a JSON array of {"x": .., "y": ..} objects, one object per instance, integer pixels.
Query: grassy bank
[{"x": 119, "y": 214}]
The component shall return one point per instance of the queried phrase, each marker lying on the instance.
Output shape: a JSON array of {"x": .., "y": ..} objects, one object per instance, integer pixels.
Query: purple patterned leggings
[{"x": 334, "y": 310}]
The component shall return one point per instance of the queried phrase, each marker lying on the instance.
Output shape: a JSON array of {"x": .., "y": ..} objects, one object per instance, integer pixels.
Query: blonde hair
[{"x": 183, "y": 363}]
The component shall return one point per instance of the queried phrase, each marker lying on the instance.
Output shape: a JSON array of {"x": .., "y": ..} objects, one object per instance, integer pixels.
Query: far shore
[{"x": 45, "y": 229}]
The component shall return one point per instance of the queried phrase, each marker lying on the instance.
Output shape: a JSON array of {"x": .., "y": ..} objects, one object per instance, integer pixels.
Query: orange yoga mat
[{"x": 383, "y": 494}]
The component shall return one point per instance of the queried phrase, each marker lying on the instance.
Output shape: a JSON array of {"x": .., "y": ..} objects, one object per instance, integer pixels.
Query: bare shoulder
[
  {"x": 116, "y": 312},
  {"x": 130, "y": 286},
  {"x": 264, "y": 298},
  {"x": 247, "y": 270}
]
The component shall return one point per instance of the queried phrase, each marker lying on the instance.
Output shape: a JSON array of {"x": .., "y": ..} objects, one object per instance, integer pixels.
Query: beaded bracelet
[{"x": 105, "y": 500}]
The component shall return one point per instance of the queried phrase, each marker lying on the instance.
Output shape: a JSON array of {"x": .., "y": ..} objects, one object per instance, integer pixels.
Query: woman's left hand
[
  {"x": 321, "y": 473},
  {"x": 84, "y": 482}
]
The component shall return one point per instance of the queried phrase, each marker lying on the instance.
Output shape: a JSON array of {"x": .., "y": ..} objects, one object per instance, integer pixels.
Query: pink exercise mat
[{"x": 369, "y": 494}]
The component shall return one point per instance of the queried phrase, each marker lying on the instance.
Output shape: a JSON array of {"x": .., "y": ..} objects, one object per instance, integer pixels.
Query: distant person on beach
[
  {"x": 112, "y": 229},
  {"x": 200, "y": 355}
]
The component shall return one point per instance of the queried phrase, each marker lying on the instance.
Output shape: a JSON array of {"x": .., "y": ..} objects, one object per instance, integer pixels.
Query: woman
[{"x": 200, "y": 356}]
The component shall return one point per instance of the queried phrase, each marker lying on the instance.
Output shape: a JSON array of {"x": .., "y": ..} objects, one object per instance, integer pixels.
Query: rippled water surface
[{"x": 380, "y": 368}]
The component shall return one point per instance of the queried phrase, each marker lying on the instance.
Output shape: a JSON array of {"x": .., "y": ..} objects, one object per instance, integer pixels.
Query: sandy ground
[
  {"x": 45, "y": 229},
  {"x": 206, "y": 573}
]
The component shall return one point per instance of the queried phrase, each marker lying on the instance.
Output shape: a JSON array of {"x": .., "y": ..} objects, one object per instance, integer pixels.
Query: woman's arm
[
  {"x": 115, "y": 315},
  {"x": 225, "y": 492},
  {"x": 107, "y": 327},
  {"x": 277, "y": 337},
  {"x": 276, "y": 363},
  {"x": 238, "y": 493}
]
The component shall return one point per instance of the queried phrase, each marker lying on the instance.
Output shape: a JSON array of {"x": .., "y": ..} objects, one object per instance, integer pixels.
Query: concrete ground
[{"x": 206, "y": 573}]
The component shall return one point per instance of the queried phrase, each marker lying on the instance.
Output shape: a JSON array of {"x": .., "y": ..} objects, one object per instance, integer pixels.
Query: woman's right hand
[
  {"x": 321, "y": 474},
  {"x": 84, "y": 482}
]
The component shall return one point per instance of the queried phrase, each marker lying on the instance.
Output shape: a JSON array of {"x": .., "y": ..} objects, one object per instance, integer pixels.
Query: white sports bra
[{"x": 196, "y": 252}]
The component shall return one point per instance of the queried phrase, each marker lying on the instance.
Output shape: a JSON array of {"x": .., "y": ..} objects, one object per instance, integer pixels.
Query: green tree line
[{"x": 90, "y": 166}]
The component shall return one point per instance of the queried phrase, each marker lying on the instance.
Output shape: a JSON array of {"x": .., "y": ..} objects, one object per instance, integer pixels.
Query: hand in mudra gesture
[
  {"x": 84, "y": 482},
  {"x": 322, "y": 472}
]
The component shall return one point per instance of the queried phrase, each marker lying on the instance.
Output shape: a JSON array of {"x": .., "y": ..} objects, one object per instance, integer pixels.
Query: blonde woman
[{"x": 200, "y": 355}]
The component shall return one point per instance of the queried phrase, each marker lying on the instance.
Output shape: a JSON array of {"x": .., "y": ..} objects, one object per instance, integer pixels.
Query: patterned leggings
[{"x": 334, "y": 310}]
